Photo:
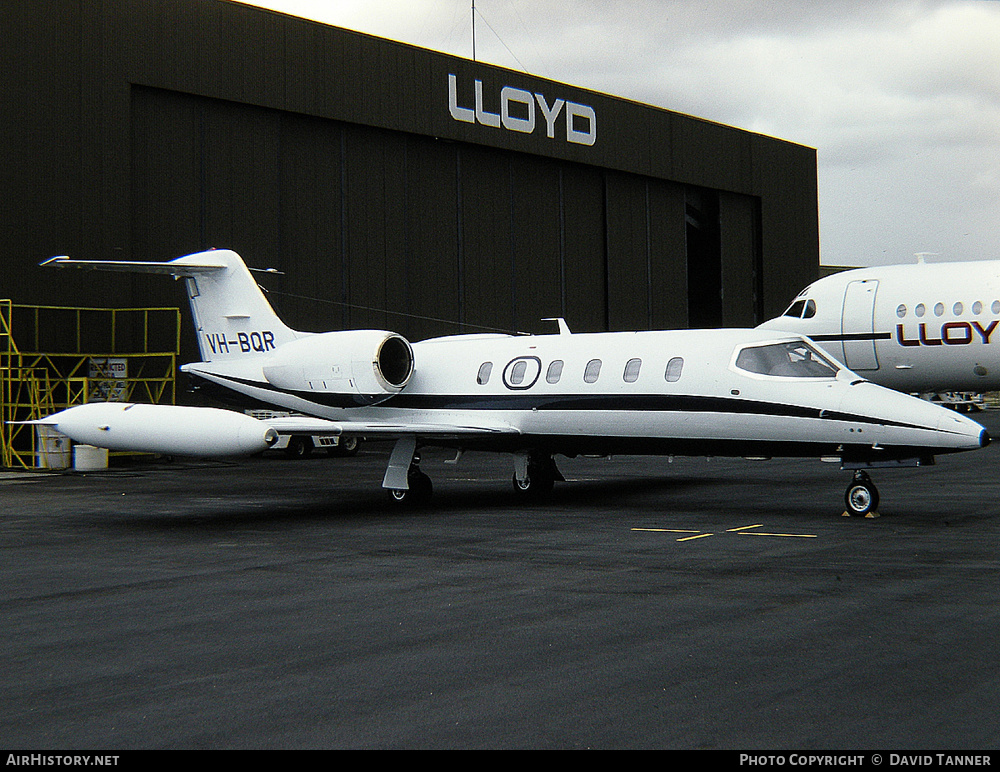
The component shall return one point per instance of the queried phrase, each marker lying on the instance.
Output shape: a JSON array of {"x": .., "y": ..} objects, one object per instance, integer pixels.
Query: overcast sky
[{"x": 900, "y": 98}]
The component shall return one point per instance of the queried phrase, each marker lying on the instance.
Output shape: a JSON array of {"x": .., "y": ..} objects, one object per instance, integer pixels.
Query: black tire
[
  {"x": 419, "y": 492},
  {"x": 540, "y": 480},
  {"x": 299, "y": 447},
  {"x": 348, "y": 446},
  {"x": 861, "y": 498}
]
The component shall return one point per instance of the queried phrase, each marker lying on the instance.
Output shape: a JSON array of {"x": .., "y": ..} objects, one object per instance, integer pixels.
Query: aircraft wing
[{"x": 386, "y": 429}]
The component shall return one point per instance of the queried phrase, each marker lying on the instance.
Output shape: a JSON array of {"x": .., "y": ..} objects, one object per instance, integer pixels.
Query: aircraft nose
[{"x": 984, "y": 438}]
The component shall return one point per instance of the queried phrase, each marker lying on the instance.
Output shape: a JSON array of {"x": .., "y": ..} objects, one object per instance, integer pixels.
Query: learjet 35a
[{"x": 738, "y": 393}]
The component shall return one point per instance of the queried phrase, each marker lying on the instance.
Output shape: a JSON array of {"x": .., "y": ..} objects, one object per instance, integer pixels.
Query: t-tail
[{"x": 232, "y": 317}]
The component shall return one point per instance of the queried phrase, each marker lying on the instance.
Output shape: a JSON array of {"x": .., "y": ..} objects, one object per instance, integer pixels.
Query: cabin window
[
  {"x": 554, "y": 373},
  {"x": 673, "y": 371},
  {"x": 631, "y": 374},
  {"x": 792, "y": 359},
  {"x": 920, "y": 310},
  {"x": 592, "y": 371},
  {"x": 484, "y": 373},
  {"x": 977, "y": 308},
  {"x": 957, "y": 309},
  {"x": 939, "y": 309},
  {"x": 901, "y": 310},
  {"x": 995, "y": 307},
  {"x": 517, "y": 373}
]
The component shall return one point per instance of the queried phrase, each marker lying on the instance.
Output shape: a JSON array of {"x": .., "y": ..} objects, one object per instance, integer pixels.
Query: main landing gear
[
  {"x": 534, "y": 474},
  {"x": 861, "y": 497},
  {"x": 419, "y": 490},
  {"x": 403, "y": 480}
]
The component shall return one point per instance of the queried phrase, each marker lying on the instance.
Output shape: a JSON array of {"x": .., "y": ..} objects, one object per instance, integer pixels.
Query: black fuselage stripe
[{"x": 852, "y": 337}]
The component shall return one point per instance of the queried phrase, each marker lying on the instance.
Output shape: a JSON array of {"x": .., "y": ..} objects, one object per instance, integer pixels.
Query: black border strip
[{"x": 855, "y": 336}]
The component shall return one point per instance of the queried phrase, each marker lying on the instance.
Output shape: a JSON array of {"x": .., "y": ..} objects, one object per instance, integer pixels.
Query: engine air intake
[{"x": 364, "y": 366}]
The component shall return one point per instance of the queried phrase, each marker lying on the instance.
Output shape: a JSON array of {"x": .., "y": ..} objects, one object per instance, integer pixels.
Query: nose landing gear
[{"x": 861, "y": 497}]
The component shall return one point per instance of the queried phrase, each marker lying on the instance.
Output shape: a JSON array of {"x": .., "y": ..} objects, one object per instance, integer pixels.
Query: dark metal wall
[{"x": 373, "y": 175}]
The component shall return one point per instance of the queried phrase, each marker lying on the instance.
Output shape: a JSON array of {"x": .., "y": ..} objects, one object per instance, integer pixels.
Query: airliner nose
[{"x": 984, "y": 438}]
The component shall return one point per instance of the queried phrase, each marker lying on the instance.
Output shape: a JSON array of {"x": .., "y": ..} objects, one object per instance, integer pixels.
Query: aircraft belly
[
  {"x": 692, "y": 433},
  {"x": 747, "y": 434}
]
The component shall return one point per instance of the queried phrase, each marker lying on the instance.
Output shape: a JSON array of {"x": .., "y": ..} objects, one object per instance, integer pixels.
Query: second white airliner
[{"x": 918, "y": 327}]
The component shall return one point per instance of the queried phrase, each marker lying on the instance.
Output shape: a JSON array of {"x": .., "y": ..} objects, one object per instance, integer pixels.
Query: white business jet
[
  {"x": 741, "y": 393},
  {"x": 917, "y": 328}
]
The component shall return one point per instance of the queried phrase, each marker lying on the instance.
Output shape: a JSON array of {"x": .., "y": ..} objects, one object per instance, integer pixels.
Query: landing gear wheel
[
  {"x": 348, "y": 446},
  {"x": 861, "y": 497},
  {"x": 419, "y": 492},
  {"x": 299, "y": 447},
  {"x": 540, "y": 479}
]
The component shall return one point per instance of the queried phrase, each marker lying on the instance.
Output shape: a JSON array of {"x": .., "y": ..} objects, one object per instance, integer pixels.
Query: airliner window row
[
  {"x": 515, "y": 375},
  {"x": 957, "y": 309}
]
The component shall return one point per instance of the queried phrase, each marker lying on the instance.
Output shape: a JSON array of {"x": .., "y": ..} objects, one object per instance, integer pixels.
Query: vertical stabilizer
[{"x": 232, "y": 318}]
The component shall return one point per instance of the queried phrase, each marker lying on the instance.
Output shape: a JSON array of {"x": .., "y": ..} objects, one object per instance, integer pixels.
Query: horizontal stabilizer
[{"x": 178, "y": 267}]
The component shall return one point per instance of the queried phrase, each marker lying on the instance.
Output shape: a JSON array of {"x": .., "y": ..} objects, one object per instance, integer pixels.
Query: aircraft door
[{"x": 857, "y": 325}]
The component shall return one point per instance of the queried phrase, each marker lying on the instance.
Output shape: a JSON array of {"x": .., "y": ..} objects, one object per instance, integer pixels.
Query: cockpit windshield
[
  {"x": 802, "y": 309},
  {"x": 791, "y": 359}
]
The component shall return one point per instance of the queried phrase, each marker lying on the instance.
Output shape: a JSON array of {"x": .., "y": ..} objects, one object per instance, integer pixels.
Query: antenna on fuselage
[{"x": 563, "y": 327}]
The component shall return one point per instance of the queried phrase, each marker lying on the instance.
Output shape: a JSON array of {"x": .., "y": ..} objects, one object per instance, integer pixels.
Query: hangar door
[{"x": 369, "y": 227}]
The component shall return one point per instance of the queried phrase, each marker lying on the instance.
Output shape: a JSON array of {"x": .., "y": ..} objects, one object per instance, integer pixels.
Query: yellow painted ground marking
[
  {"x": 743, "y": 530},
  {"x": 795, "y": 535},
  {"x": 698, "y": 534}
]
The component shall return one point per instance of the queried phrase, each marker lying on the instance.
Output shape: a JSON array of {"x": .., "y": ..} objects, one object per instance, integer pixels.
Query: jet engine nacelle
[
  {"x": 173, "y": 430},
  {"x": 369, "y": 365}
]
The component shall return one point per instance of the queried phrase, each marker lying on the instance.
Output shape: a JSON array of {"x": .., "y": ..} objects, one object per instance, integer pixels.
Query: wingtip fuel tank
[{"x": 167, "y": 429}]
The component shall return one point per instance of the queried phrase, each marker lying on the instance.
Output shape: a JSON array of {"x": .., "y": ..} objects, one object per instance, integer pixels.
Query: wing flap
[{"x": 386, "y": 429}]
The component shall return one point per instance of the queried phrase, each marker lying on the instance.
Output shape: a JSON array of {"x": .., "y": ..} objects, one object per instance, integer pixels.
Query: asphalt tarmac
[{"x": 646, "y": 604}]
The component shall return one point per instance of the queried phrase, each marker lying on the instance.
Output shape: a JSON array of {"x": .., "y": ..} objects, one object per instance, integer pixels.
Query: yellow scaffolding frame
[{"x": 35, "y": 383}]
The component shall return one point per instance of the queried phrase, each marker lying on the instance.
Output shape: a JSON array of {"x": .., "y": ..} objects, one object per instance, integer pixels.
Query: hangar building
[{"x": 394, "y": 186}]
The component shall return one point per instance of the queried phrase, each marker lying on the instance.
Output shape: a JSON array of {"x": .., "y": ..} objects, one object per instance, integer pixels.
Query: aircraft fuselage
[
  {"x": 671, "y": 392},
  {"x": 914, "y": 328}
]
